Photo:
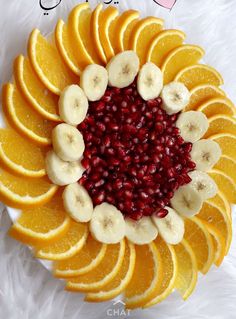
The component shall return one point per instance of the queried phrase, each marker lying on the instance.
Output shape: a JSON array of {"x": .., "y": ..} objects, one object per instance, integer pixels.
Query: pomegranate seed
[{"x": 162, "y": 213}]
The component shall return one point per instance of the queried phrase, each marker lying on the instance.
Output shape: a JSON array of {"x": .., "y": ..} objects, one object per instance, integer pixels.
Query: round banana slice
[
  {"x": 193, "y": 125},
  {"x": 94, "y": 81},
  {"x": 107, "y": 224},
  {"x": 187, "y": 201},
  {"x": 203, "y": 184},
  {"x": 140, "y": 232},
  {"x": 205, "y": 153},
  {"x": 67, "y": 142},
  {"x": 60, "y": 172},
  {"x": 150, "y": 81},
  {"x": 77, "y": 203},
  {"x": 175, "y": 97},
  {"x": 171, "y": 227},
  {"x": 122, "y": 69},
  {"x": 73, "y": 105}
]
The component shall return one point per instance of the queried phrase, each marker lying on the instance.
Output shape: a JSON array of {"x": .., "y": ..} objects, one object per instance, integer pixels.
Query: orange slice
[
  {"x": 143, "y": 34},
  {"x": 201, "y": 243},
  {"x": 178, "y": 59},
  {"x": 41, "y": 99},
  {"x": 146, "y": 276},
  {"x": 88, "y": 258},
  {"x": 107, "y": 22},
  {"x": 19, "y": 156},
  {"x": 163, "y": 43},
  {"x": 65, "y": 47},
  {"x": 227, "y": 165},
  {"x": 79, "y": 26},
  {"x": 217, "y": 106},
  {"x": 23, "y": 118},
  {"x": 128, "y": 34},
  {"x": 215, "y": 216},
  {"x": 48, "y": 65},
  {"x": 170, "y": 269},
  {"x": 125, "y": 20},
  {"x": 221, "y": 201},
  {"x": 42, "y": 225},
  {"x": 95, "y": 21},
  {"x": 102, "y": 275},
  {"x": 21, "y": 192},
  {"x": 121, "y": 280},
  {"x": 202, "y": 93},
  {"x": 225, "y": 184},
  {"x": 67, "y": 246},
  {"x": 218, "y": 243},
  {"x": 199, "y": 74},
  {"x": 221, "y": 124},
  {"x": 227, "y": 143},
  {"x": 187, "y": 269}
]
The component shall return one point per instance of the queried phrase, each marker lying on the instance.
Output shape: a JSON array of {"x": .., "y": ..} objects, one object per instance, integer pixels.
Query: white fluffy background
[{"x": 27, "y": 290}]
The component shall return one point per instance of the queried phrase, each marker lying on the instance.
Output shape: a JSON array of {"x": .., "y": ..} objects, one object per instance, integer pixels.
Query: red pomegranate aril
[
  {"x": 162, "y": 213},
  {"x": 188, "y": 147},
  {"x": 99, "y": 199}
]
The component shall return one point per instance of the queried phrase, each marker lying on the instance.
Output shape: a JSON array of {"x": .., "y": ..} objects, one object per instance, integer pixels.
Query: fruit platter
[{"x": 118, "y": 156}]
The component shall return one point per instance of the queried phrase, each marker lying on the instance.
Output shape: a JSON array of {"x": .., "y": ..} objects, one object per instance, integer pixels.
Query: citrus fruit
[
  {"x": 162, "y": 44},
  {"x": 221, "y": 201},
  {"x": 19, "y": 156},
  {"x": 66, "y": 246},
  {"x": 88, "y": 258},
  {"x": 221, "y": 124},
  {"x": 201, "y": 243},
  {"x": 37, "y": 95},
  {"x": 200, "y": 94},
  {"x": 199, "y": 74},
  {"x": 107, "y": 23},
  {"x": 142, "y": 35},
  {"x": 170, "y": 270},
  {"x": 125, "y": 19},
  {"x": 227, "y": 143},
  {"x": 227, "y": 165},
  {"x": 225, "y": 184},
  {"x": 102, "y": 275},
  {"x": 21, "y": 192},
  {"x": 95, "y": 26},
  {"x": 128, "y": 32},
  {"x": 217, "y": 217},
  {"x": 146, "y": 276},
  {"x": 187, "y": 269},
  {"x": 178, "y": 59},
  {"x": 48, "y": 64},
  {"x": 65, "y": 48},
  {"x": 44, "y": 224},
  {"x": 23, "y": 118},
  {"x": 121, "y": 280},
  {"x": 218, "y": 243},
  {"x": 217, "y": 106}
]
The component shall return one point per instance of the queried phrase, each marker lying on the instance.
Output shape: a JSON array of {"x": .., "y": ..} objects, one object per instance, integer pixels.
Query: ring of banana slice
[{"x": 63, "y": 163}]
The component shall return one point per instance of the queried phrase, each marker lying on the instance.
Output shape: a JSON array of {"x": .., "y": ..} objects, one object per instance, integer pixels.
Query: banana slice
[
  {"x": 150, "y": 81},
  {"x": 67, "y": 142},
  {"x": 203, "y": 184},
  {"x": 122, "y": 69},
  {"x": 171, "y": 227},
  {"x": 140, "y": 232},
  {"x": 193, "y": 125},
  {"x": 77, "y": 203},
  {"x": 60, "y": 172},
  {"x": 186, "y": 201},
  {"x": 73, "y": 105},
  {"x": 175, "y": 97},
  {"x": 107, "y": 224},
  {"x": 205, "y": 153},
  {"x": 94, "y": 81}
]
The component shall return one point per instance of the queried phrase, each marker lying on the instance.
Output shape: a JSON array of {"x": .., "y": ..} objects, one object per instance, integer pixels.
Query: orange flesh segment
[
  {"x": 221, "y": 124},
  {"x": 217, "y": 106},
  {"x": 227, "y": 143}
]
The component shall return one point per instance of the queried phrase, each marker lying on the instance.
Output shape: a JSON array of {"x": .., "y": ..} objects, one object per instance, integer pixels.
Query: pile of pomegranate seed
[{"x": 134, "y": 156}]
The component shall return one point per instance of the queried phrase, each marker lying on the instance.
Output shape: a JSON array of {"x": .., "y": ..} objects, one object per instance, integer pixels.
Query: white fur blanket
[{"x": 27, "y": 290}]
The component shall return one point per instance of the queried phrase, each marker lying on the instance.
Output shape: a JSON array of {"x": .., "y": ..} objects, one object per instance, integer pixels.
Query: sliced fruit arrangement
[{"x": 121, "y": 155}]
